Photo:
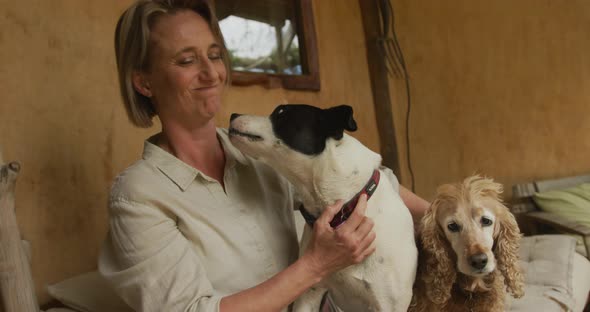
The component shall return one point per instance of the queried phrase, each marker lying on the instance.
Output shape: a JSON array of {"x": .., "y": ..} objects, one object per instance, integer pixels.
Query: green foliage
[{"x": 270, "y": 62}]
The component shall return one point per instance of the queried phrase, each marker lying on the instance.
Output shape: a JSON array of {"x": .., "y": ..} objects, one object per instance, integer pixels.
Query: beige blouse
[{"x": 178, "y": 242}]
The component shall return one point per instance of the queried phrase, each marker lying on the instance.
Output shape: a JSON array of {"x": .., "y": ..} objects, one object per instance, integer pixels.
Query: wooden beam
[
  {"x": 380, "y": 86},
  {"x": 16, "y": 283}
]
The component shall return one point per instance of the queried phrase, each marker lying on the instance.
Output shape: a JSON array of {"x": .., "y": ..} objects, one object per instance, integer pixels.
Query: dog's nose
[
  {"x": 479, "y": 261},
  {"x": 234, "y": 116}
]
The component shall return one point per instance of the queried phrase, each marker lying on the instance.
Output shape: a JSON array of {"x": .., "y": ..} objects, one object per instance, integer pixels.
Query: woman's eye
[
  {"x": 216, "y": 56},
  {"x": 454, "y": 227},
  {"x": 187, "y": 61},
  {"x": 486, "y": 221}
]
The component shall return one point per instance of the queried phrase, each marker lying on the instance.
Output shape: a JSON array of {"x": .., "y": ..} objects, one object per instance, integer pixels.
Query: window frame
[{"x": 310, "y": 79}]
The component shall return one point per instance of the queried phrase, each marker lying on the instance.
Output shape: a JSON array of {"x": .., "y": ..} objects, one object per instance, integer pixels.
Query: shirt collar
[{"x": 181, "y": 173}]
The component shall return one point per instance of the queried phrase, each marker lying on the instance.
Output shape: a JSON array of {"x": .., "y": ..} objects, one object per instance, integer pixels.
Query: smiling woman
[
  {"x": 132, "y": 42},
  {"x": 185, "y": 73}
]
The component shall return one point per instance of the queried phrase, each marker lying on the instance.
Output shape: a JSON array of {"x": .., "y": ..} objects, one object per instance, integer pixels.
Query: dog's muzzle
[{"x": 251, "y": 137}]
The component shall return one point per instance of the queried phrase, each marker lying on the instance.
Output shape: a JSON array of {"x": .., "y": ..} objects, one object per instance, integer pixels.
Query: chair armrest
[
  {"x": 563, "y": 224},
  {"x": 17, "y": 290},
  {"x": 560, "y": 223}
]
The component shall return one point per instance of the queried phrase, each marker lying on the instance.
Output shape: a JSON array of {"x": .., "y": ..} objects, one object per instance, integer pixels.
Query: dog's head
[
  {"x": 468, "y": 229},
  {"x": 308, "y": 146},
  {"x": 292, "y": 136},
  {"x": 300, "y": 128}
]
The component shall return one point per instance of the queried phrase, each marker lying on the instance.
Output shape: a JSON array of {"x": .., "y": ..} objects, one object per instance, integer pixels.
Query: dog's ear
[
  {"x": 507, "y": 238},
  {"x": 346, "y": 115},
  {"x": 340, "y": 118},
  {"x": 440, "y": 273}
]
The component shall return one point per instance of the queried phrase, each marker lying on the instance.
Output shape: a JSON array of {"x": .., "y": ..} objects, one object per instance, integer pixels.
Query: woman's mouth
[{"x": 207, "y": 88}]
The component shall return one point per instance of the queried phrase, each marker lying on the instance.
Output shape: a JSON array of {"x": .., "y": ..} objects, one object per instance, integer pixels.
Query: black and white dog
[{"x": 308, "y": 146}]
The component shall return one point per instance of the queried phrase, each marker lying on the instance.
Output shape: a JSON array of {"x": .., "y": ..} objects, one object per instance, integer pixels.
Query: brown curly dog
[{"x": 468, "y": 256}]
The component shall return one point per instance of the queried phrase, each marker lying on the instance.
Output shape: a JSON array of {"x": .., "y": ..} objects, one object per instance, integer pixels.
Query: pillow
[
  {"x": 571, "y": 203},
  {"x": 88, "y": 292},
  {"x": 548, "y": 264},
  {"x": 581, "y": 282}
]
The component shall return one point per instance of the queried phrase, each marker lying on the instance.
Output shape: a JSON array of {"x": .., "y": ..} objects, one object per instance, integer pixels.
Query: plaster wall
[{"x": 497, "y": 87}]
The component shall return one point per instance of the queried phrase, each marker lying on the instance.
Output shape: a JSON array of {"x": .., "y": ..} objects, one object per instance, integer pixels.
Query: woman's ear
[{"x": 141, "y": 84}]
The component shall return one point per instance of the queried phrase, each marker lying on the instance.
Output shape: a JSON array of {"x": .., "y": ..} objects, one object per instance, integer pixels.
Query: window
[{"x": 271, "y": 42}]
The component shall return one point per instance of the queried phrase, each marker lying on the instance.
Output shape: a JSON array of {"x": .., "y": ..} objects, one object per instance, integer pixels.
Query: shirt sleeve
[
  {"x": 391, "y": 177},
  {"x": 151, "y": 265}
]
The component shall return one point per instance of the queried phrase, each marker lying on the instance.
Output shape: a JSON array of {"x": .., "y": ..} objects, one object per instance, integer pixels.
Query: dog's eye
[
  {"x": 486, "y": 221},
  {"x": 278, "y": 112},
  {"x": 454, "y": 227},
  {"x": 279, "y": 109}
]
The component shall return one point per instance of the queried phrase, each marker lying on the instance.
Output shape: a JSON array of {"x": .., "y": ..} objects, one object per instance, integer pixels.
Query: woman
[{"x": 195, "y": 225}]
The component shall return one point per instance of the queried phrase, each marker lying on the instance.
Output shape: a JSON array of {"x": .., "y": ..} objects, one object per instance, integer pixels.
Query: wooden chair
[
  {"x": 17, "y": 291},
  {"x": 537, "y": 221}
]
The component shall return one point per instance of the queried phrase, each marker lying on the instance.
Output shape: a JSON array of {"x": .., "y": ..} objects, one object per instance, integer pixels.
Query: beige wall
[
  {"x": 498, "y": 87},
  {"x": 61, "y": 117}
]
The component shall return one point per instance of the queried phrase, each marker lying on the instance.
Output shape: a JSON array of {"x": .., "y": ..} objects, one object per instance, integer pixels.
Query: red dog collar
[{"x": 349, "y": 206}]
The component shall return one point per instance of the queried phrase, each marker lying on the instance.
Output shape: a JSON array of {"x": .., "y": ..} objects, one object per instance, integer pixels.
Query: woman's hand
[{"x": 332, "y": 249}]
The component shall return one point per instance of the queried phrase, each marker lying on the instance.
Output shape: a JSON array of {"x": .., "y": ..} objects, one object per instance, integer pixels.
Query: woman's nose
[{"x": 208, "y": 71}]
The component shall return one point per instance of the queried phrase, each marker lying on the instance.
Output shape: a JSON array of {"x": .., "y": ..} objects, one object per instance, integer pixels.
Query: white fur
[{"x": 383, "y": 282}]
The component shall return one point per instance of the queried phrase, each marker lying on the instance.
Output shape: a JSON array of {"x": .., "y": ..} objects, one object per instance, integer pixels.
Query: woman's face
[{"x": 186, "y": 73}]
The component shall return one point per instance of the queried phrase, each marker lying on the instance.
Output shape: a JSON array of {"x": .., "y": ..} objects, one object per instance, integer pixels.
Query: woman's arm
[
  {"x": 416, "y": 204},
  {"x": 275, "y": 293},
  {"x": 329, "y": 250},
  {"x": 152, "y": 266}
]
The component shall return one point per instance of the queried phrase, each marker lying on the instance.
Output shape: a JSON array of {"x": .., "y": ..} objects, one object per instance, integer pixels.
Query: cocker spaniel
[{"x": 469, "y": 250}]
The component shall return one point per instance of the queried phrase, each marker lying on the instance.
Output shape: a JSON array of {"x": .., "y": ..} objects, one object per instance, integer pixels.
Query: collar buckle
[{"x": 348, "y": 207}]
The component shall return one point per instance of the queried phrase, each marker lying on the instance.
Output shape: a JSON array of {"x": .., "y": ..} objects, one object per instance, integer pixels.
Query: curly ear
[
  {"x": 440, "y": 271},
  {"x": 506, "y": 252}
]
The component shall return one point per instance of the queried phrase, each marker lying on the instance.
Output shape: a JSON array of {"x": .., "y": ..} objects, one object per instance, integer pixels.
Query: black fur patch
[{"x": 306, "y": 128}]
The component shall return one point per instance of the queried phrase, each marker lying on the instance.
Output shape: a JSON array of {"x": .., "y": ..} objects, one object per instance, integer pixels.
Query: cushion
[
  {"x": 581, "y": 283},
  {"x": 547, "y": 261},
  {"x": 88, "y": 292},
  {"x": 571, "y": 203},
  {"x": 534, "y": 300}
]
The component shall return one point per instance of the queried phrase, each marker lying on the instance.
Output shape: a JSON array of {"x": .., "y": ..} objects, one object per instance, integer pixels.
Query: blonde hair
[{"x": 132, "y": 42}]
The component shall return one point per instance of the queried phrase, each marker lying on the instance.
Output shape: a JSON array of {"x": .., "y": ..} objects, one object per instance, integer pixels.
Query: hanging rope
[{"x": 396, "y": 65}]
